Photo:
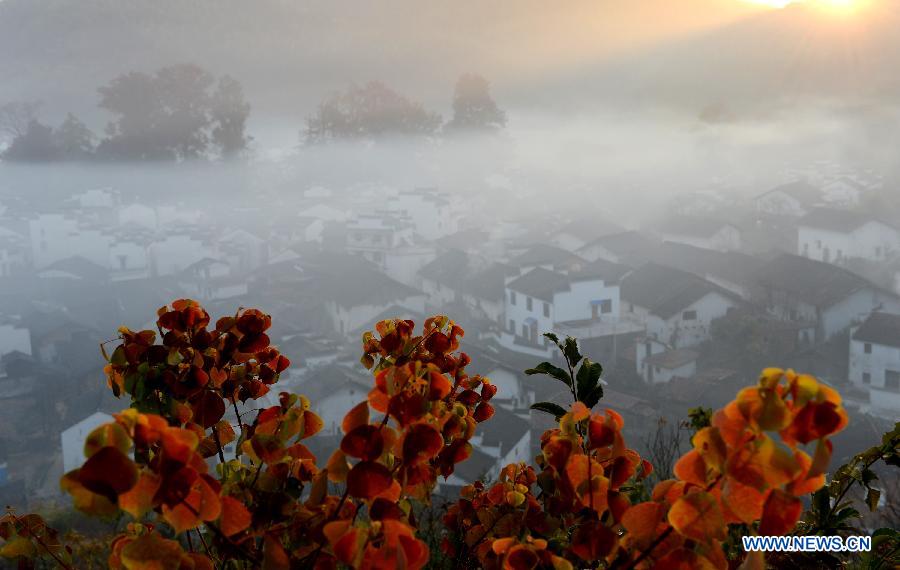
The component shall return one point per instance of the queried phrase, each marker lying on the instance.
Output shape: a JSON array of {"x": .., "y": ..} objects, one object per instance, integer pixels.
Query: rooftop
[{"x": 880, "y": 328}]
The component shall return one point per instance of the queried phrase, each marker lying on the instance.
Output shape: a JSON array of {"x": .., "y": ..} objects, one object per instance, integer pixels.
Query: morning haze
[{"x": 697, "y": 189}]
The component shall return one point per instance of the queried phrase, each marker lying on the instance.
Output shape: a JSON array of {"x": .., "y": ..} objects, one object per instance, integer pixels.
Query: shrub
[{"x": 274, "y": 505}]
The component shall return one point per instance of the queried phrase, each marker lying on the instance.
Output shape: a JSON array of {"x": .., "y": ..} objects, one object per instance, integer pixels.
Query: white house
[
  {"x": 73, "y": 438},
  {"x": 173, "y": 253},
  {"x": 324, "y": 212},
  {"x": 833, "y": 236},
  {"x": 55, "y": 237},
  {"x": 799, "y": 289},
  {"x": 793, "y": 199},
  {"x": 578, "y": 233},
  {"x": 14, "y": 336},
  {"x": 658, "y": 363},
  {"x": 212, "y": 280},
  {"x": 875, "y": 361},
  {"x": 633, "y": 248},
  {"x": 843, "y": 191},
  {"x": 428, "y": 210},
  {"x": 541, "y": 301},
  {"x": 708, "y": 233},
  {"x": 677, "y": 307}
]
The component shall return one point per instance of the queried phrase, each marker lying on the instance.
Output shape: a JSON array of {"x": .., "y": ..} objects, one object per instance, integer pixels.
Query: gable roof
[
  {"x": 732, "y": 266},
  {"x": 880, "y": 328},
  {"x": 350, "y": 281},
  {"x": 587, "y": 229},
  {"x": 543, "y": 254},
  {"x": 540, "y": 283},
  {"x": 505, "y": 429},
  {"x": 800, "y": 190},
  {"x": 694, "y": 226},
  {"x": 630, "y": 246},
  {"x": 817, "y": 283},
  {"x": 665, "y": 291},
  {"x": 672, "y": 359},
  {"x": 452, "y": 268},
  {"x": 842, "y": 221},
  {"x": 75, "y": 266}
]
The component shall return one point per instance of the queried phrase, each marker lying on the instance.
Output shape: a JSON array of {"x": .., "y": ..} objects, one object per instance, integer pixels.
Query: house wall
[
  {"x": 128, "y": 260},
  {"x": 517, "y": 314},
  {"x": 55, "y": 237},
  {"x": 438, "y": 295},
  {"x": 72, "y": 440},
  {"x": 873, "y": 241},
  {"x": 14, "y": 338},
  {"x": 882, "y": 358},
  {"x": 335, "y": 406},
  {"x": 509, "y": 386},
  {"x": 679, "y": 332},
  {"x": 174, "y": 253},
  {"x": 404, "y": 264},
  {"x": 346, "y": 320},
  {"x": 780, "y": 204},
  {"x": 432, "y": 218},
  {"x": 728, "y": 238},
  {"x": 854, "y": 309},
  {"x": 492, "y": 309}
]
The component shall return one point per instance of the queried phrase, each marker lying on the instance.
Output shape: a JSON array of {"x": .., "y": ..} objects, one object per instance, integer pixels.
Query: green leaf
[
  {"x": 550, "y": 370},
  {"x": 118, "y": 357},
  {"x": 872, "y": 497},
  {"x": 570, "y": 351},
  {"x": 587, "y": 379},
  {"x": 555, "y": 410},
  {"x": 552, "y": 337},
  {"x": 593, "y": 396}
]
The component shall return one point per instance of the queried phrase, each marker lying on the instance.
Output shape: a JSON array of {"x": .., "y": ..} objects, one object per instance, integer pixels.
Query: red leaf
[
  {"x": 421, "y": 443},
  {"x": 365, "y": 442},
  {"x": 367, "y": 479},
  {"x": 108, "y": 472},
  {"x": 208, "y": 408},
  {"x": 483, "y": 412},
  {"x": 235, "y": 516},
  {"x": 780, "y": 513}
]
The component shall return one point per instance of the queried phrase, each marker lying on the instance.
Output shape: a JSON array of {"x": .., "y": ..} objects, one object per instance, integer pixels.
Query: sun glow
[{"x": 837, "y": 6}]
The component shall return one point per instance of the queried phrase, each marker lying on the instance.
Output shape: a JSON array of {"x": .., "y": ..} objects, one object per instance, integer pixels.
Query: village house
[
  {"x": 574, "y": 235},
  {"x": 794, "y": 199},
  {"x": 212, "y": 280},
  {"x": 707, "y": 233},
  {"x": 542, "y": 300},
  {"x": 826, "y": 296},
  {"x": 14, "y": 251},
  {"x": 631, "y": 248},
  {"x": 172, "y": 253},
  {"x": 834, "y": 236},
  {"x": 390, "y": 243},
  {"x": 14, "y": 336},
  {"x": 429, "y": 211},
  {"x": 731, "y": 270},
  {"x": 875, "y": 361},
  {"x": 353, "y": 292},
  {"x": 677, "y": 307},
  {"x": 844, "y": 191},
  {"x": 658, "y": 363}
]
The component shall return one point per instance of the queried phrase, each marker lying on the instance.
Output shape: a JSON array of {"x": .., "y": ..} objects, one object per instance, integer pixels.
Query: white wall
[
  {"x": 174, "y": 253},
  {"x": 873, "y": 241},
  {"x": 55, "y": 237},
  {"x": 679, "y": 332},
  {"x": 882, "y": 358},
  {"x": 855, "y": 309},
  {"x": 780, "y": 204},
  {"x": 73, "y": 438},
  {"x": 14, "y": 338},
  {"x": 430, "y": 213},
  {"x": 346, "y": 320}
]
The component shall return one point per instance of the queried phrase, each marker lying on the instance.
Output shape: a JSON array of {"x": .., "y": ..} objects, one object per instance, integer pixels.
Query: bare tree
[
  {"x": 16, "y": 116},
  {"x": 664, "y": 446}
]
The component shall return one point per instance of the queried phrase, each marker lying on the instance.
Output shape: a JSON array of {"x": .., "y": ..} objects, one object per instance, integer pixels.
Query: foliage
[
  {"x": 274, "y": 505},
  {"x": 173, "y": 114},
  {"x": 371, "y": 111},
  {"x": 473, "y": 106}
]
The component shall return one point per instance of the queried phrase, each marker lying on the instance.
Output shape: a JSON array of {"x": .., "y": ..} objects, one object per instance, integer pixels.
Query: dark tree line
[
  {"x": 179, "y": 112},
  {"x": 374, "y": 110}
]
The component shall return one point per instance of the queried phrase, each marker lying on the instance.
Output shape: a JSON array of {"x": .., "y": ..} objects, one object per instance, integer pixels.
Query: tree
[
  {"x": 473, "y": 106},
  {"x": 172, "y": 115},
  {"x": 73, "y": 139},
  {"x": 371, "y": 111},
  {"x": 35, "y": 144},
  {"x": 15, "y": 117},
  {"x": 229, "y": 112},
  {"x": 275, "y": 506}
]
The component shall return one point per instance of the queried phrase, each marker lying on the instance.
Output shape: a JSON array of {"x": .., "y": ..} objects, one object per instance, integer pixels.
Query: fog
[{"x": 736, "y": 160}]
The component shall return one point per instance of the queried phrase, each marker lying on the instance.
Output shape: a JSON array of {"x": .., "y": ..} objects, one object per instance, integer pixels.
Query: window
[
  {"x": 892, "y": 380},
  {"x": 630, "y": 307},
  {"x": 689, "y": 316},
  {"x": 512, "y": 297},
  {"x": 866, "y": 378},
  {"x": 123, "y": 261},
  {"x": 602, "y": 307},
  {"x": 524, "y": 330},
  {"x": 805, "y": 250},
  {"x": 546, "y": 309},
  {"x": 868, "y": 348},
  {"x": 529, "y": 303},
  {"x": 512, "y": 326}
]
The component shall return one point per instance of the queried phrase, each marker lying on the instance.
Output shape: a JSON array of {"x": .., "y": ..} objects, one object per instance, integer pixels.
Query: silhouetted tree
[
  {"x": 229, "y": 112},
  {"x": 171, "y": 115},
  {"x": 373, "y": 110},
  {"x": 473, "y": 106},
  {"x": 73, "y": 139},
  {"x": 16, "y": 117},
  {"x": 35, "y": 144}
]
